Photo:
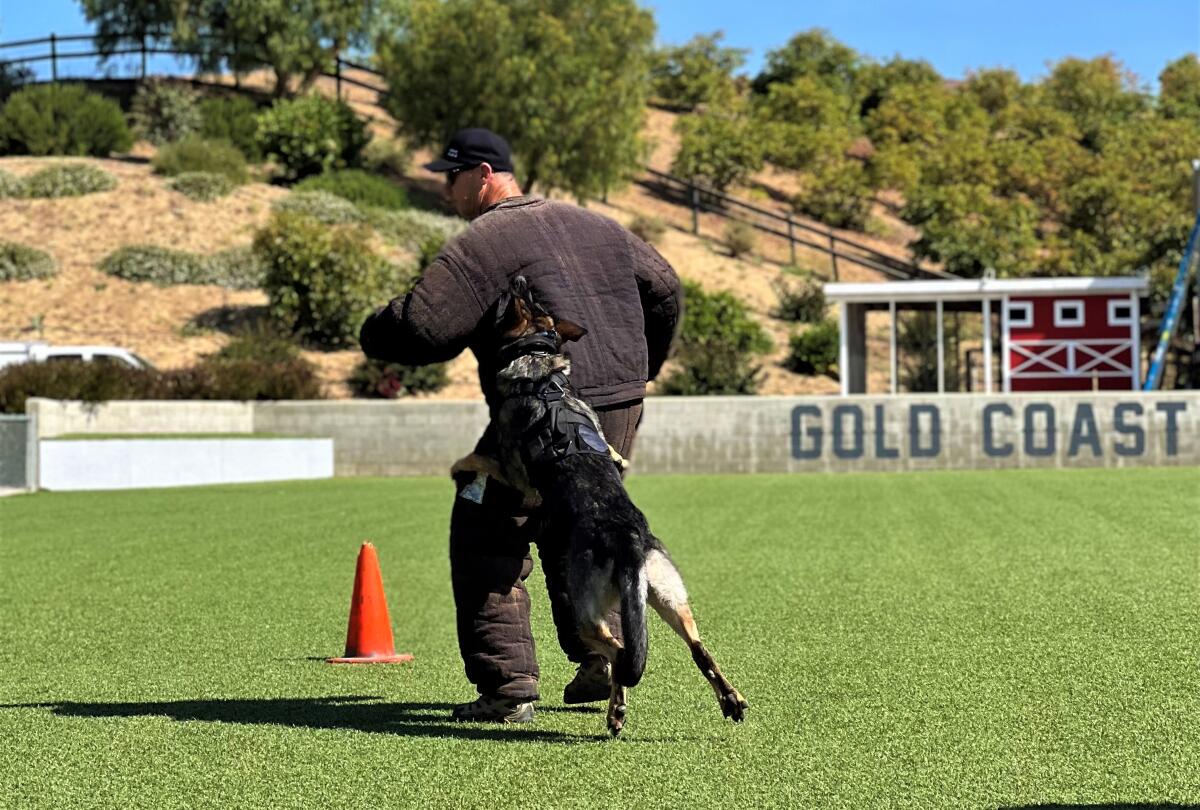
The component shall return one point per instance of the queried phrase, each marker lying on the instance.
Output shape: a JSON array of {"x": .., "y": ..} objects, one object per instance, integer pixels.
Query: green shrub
[
  {"x": 815, "y": 350},
  {"x": 73, "y": 379},
  {"x": 244, "y": 380},
  {"x": 740, "y": 238},
  {"x": 359, "y": 187},
  {"x": 802, "y": 301},
  {"x": 311, "y": 135},
  {"x": 838, "y": 194},
  {"x": 159, "y": 265},
  {"x": 414, "y": 230},
  {"x": 386, "y": 156},
  {"x": 237, "y": 268},
  {"x": 261, "y": 343},
  {"x": 648, "y": 229},
  {"x": 321, "y": 281},
  {"x": 163, "y": 112},
  {"x": 717, "y": 346},
  {"x": 11, "y": 185},
  {"x": 22, "y": 263},
  {"x": 68, "y": 180},
  {"x": 322, "y": 206},
  {"x": 62, "y": 119},
  {"x": 213, "y": 379},
  {"x": 196, "y": 154},
  {"x": 201, "y": 186},
  {"x": 233, "y": 119},
  {"x": 374, "y": 378}
]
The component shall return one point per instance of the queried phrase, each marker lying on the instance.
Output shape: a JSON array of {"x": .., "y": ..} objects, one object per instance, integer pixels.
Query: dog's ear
[
  {"x": 569, "y": 330},
  {"x": 513, "y": 320}
]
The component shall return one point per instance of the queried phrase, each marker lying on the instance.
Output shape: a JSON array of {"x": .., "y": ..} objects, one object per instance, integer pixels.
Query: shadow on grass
[
  {"x": 1117, "y": 806},
  {"x": 346, "y": 712}
]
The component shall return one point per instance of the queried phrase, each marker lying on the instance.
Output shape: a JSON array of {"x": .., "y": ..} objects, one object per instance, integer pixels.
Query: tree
[
  {"x": 718, "y": 147},
  {"x": 1098, "y": 94},
  {"x": 698, "y": 72},
  {"x": 812, "y": 53},
  {"x": 873, "y": 82},
  {"x": 1179, "y": 88},
  {"x": 565, "y": 81},
  {"x": 292, "y": 37},
  {"x": 802, "y": 120}
]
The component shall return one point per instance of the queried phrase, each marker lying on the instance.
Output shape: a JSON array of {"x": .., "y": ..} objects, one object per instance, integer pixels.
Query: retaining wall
[{"x": 725, "y": 434}]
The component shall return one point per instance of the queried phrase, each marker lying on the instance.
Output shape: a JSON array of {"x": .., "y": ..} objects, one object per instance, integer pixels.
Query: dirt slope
[{"x": 174, "y": 326}]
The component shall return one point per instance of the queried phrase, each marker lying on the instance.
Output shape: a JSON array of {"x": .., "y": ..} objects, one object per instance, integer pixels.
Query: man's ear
[{"x": 569, "y": 330}]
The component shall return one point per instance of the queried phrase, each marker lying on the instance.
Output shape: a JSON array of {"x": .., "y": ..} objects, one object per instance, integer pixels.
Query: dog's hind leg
[
  {"x": 600, "y": 638},
  {"x": 669, "y": 598}
]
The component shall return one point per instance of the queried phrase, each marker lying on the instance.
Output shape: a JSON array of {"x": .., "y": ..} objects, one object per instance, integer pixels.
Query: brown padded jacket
[{"x": 581, "y": 266}]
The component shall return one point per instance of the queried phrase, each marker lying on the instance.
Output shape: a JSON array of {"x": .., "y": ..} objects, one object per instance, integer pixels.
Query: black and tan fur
[{"x": 612, "y": 556}]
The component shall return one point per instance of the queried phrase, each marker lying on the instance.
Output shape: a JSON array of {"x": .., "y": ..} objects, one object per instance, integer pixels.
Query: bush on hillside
[
  {"x": 233, "y": 119},
  {"x": 322, "y": 281},
  {"x": 815, "y": 350},
  {"x": 418, "y": 231},
  {"x": 22, "y": 263},
  {"x": 802, "y": 301},
  {"x": 740, "y": 238},
  {"x": 237, "y": 268},
  {"x": 262, "y": 343},
  {"x": 62, "y": 119},
  {"x": 717, "y": 347},
  {"x": 358, "y": 187},
  {"x": 68, "y": 180},
  {"x": 196, "y": 154},
  {"x": 163, "y": 112},
  {"x": 158, "y": 265},
  {"x": 11, "y": 185},
  {"x": 648, "y": 228},
  {"x": 375, "y": 378},
  {"x": 201, "y": 186},
  {"x": 326, "y": 208},
  {"x": 386, "y": 156},
  {"x": 311, "y": 135}
]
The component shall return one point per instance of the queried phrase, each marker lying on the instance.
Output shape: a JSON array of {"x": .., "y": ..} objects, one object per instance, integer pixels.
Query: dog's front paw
[
  {"x": 616, "y": 719},
  {"x": 734, "y": 706}
]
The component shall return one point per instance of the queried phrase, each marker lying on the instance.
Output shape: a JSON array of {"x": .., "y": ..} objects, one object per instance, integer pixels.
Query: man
[{"x": 587, "y": 269}]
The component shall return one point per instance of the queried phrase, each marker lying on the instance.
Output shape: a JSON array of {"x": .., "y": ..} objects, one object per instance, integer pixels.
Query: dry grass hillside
[{"x": 174, "y": 326}]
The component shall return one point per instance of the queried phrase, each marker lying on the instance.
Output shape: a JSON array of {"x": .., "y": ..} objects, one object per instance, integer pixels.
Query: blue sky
[{"x": 955, "y": 36}]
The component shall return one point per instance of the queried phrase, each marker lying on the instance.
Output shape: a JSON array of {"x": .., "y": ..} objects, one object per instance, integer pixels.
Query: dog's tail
[{"x": 631, "y": 661}]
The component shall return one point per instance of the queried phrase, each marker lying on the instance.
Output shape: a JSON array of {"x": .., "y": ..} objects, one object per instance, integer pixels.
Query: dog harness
[{"x": 561, "y": 431}]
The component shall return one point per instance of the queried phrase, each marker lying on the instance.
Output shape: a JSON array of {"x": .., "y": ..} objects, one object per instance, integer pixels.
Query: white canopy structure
[{"x": 974, "y": 295}]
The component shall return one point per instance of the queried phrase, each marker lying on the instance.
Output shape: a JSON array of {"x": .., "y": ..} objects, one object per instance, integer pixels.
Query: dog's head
[{"x": 520, "y": 318}]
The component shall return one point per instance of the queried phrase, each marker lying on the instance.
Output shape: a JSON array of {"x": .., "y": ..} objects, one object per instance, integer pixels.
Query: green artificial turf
[{"x": 1009, "y": 639}]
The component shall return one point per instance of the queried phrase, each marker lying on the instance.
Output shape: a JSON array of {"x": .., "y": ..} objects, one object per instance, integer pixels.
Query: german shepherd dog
[{"x": 552, "y": 448}]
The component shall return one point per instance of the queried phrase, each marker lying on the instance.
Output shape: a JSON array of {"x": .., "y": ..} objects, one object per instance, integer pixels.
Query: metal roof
[{"x": 978, "y": 289}]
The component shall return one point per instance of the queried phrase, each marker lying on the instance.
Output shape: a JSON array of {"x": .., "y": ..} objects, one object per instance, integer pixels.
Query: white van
[{"x": 11, "y": 353}]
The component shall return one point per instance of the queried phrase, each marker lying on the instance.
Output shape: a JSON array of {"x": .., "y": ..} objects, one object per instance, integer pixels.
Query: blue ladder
[{"x": 1171, "y": 316}]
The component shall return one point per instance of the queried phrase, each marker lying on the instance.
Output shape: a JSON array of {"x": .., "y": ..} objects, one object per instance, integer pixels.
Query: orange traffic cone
[{"x": 369, "y": 636}]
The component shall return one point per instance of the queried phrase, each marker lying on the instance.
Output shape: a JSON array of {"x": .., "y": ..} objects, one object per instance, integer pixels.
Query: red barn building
[{"x": 1055, "y": 334}]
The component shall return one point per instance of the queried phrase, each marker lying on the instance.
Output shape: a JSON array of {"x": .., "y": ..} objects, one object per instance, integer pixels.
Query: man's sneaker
[
  {"x": 488, "y": 709},
  {"x": 592, "y": 682}
]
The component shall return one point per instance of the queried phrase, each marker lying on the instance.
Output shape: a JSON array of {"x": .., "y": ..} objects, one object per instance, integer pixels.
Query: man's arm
[
  {"x": 662, "y": 307},
  {"x": 431, "y": 324}
]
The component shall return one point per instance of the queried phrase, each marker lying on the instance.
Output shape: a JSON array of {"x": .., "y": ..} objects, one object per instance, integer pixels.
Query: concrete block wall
[
  {"x": 57, "y": 418},
  {"x": 378, "y": 437}
]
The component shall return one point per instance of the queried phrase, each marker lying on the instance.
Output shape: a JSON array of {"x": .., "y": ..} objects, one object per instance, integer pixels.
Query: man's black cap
[{"x": 470, "y": 147}]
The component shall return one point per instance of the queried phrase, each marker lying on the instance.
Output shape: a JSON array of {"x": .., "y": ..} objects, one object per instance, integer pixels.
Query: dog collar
[{"x": 539, "y": 342}]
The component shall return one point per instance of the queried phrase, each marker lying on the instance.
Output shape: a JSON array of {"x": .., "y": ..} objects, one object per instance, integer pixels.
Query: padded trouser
[{"x": 489, "y": 561}]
